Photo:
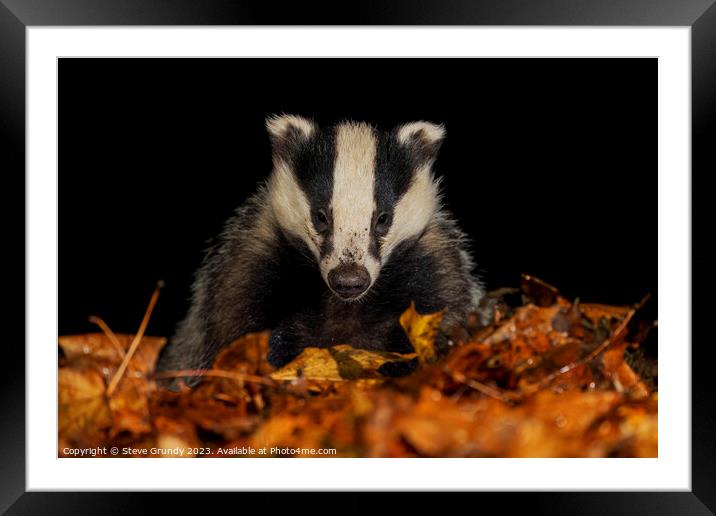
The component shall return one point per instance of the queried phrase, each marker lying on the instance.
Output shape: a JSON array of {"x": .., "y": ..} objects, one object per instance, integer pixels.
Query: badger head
[{"x": 352, "y": 194}]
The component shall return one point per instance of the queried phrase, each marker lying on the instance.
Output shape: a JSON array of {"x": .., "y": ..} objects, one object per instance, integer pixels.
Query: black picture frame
[{"x": 17, "y": 15}]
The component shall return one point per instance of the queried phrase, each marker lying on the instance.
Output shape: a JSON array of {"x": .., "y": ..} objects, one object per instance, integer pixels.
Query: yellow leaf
[
  {"x": 313, "y": 363},
  {"x": 339, "y": 363},
  {"x": 421, "y": 331}
]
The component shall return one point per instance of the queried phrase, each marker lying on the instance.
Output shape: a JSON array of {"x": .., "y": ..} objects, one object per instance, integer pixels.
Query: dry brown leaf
[
  {"x": 623, "y": 376},
  {"x": 92, "y": 360},
  {"x": 246, "y": 355},
  {"x": 129, "y": 405},
  {"x": 98, "y": 346},
  {"x": 548, "y": 379},
  {"x": 83, "y": 414}
]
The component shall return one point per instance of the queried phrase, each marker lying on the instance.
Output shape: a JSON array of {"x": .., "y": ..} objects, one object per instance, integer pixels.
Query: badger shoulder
[
  {"x": 229, "y": 274},
  {"x": 252, "y": 229}
]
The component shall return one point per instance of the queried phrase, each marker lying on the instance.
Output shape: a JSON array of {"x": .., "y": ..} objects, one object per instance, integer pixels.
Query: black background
[{"x": 550, "y": 165}]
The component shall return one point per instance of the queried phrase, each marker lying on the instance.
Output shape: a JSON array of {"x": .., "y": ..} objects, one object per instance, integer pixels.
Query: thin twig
[
  {"x": 643, "y": 301},
  {"x": 135, "y": 343},
  {"x": 479, "y": 386},
  {"x": 218, "y": 373},
  {"x": 108, "y": 333}
]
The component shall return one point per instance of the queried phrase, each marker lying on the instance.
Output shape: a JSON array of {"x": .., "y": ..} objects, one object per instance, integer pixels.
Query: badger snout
[{"x": 349, "y": 280}]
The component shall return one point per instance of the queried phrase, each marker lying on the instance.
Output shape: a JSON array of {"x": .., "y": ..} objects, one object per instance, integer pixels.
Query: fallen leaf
[
  {"x": 83, "y": 413},
  {"x": 175, "y": 439},
  {"x": 422, "y": 331},
  {"x": 340, "y": 363},
  {"x": 546, "y": 377},
  {"x": 96, "y": 359}
]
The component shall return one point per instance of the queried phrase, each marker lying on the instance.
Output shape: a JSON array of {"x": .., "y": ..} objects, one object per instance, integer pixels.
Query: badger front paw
[{"x": 282, "y": 348}]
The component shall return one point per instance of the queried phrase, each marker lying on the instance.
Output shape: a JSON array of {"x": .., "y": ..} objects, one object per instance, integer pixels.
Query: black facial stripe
[
  {"x": 394, "y": 169},
  {"x": 374, "y": 244},
  {"x": 327, "y": 244},
  {"x": 312, "y": 162}
]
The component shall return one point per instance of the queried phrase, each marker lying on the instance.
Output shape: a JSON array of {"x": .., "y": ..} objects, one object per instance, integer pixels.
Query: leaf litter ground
[{"x": 549, "y": 377}]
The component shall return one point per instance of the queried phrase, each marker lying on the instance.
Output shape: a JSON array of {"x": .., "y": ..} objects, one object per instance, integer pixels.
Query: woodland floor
[{"x": 550, "y": 377}]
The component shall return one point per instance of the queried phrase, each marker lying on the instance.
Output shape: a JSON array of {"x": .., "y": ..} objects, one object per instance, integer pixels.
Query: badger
[{"x": 348, "y": 230}]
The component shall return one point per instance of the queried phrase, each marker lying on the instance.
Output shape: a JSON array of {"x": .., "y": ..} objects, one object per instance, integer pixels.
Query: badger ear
[
  {"x": 288, "y": 131},
  {"x": 422, "y": 138}
]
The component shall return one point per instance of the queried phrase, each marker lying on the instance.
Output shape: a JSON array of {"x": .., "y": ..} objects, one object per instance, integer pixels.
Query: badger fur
[{"x": 347, "y": 231}]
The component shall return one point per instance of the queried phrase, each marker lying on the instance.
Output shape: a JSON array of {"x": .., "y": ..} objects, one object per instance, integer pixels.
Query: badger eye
[
  {"x": 320, "y": 221},
  {"x": 382, "y": 223}
]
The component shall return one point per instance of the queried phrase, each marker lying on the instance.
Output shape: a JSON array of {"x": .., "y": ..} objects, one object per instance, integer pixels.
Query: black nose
[{"x": 349, "y": 281}]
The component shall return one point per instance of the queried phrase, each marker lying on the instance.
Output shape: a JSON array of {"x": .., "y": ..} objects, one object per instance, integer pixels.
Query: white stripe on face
[
  {"x": 413, "y": 211},
  {"x": 353, "y": 201},
  {"x": 291, "y": 207}
]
